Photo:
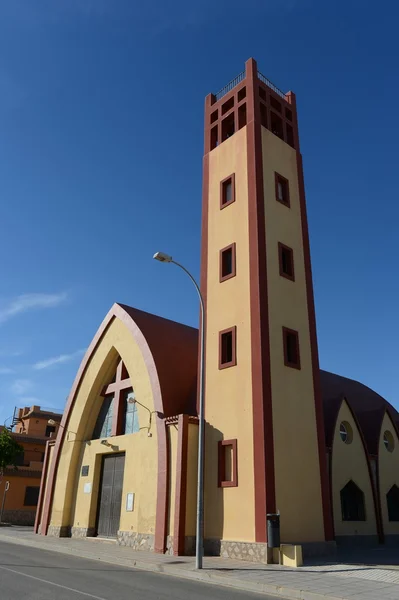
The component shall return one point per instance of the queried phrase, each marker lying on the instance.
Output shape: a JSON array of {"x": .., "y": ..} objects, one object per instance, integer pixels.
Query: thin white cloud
[
  {"x": 6, "y": 371},
  {"x": 27, "y": 302},
  {"x": 57, "y": 360},
  {"x": 21, "y": 386}
]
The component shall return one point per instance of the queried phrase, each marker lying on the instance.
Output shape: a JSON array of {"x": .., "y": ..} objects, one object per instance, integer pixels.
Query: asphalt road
[{"x": 31, "y": 574}]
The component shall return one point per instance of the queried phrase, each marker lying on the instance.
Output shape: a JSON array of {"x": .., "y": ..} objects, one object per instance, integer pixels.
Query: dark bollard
[{"x": 273, "y": 530}]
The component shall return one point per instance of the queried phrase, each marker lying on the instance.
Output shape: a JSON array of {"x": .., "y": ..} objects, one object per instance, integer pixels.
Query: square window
[
  {"x": 291, "y": 348},
  {"x": 286, "y": 261},
  {"x": 227, "y": 348},
  {"x": 282, "y": 189},
  {"x": 227, "y": 191},
  {"x": 227, "y": 257},
  {"x": 31, "y": 495},
  {"x": 214, "y": 116},
  {"x": 49, "y": 430},
  {"x": 227, "y": 463}
]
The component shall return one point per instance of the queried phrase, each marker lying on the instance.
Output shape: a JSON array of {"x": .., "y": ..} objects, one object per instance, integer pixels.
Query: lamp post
[{"x": 199, "y": 544}]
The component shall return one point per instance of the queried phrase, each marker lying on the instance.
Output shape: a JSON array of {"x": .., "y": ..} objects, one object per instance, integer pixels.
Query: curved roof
[
  {"x": 368, "y": 407},
  {"x": 174, "y": 348}
]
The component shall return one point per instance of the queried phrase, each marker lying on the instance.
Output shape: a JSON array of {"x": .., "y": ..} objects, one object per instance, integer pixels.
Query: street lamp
[{"x": 199, "y": 544}]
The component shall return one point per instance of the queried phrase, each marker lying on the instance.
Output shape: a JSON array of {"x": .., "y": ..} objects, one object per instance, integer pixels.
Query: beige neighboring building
[{"x": 281, "y": 435}]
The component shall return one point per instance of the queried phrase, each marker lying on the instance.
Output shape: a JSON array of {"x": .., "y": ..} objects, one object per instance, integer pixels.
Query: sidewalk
[{"x": 317, "y": 582}]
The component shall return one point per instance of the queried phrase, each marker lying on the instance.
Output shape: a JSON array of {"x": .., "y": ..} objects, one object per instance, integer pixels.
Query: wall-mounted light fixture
[{"x": 151, "y": 412}]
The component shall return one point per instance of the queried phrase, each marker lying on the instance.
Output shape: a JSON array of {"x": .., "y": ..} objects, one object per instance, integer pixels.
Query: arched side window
[
  {"x": 103, "y": 426},
  {"x": 393, "y": 503},
  {"x": 131, "y": 423},
  {"x": 118, "y": 413},
  {"x": 352, "y": 503}
]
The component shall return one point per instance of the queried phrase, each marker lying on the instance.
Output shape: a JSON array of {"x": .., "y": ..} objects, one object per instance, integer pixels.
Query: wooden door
[{"x": 110, "y": 496}]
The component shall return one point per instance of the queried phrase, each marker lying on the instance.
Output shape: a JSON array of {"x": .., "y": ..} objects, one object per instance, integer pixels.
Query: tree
[{"x": 9, "y": 450}]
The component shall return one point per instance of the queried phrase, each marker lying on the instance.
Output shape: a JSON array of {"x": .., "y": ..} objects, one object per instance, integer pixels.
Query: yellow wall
[
  {"x": 297, "y": 471},
  {"x": 349, "y": 462},
  {"x": 388, "y": 473},
  {"x": 228, "y": 409},
  {"x": 192, "y": 470},
  {"x": 70, "y": 505}
]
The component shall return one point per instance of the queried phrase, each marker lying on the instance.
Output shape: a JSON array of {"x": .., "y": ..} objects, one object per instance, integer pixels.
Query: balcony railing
[
  {"x": 230, "y": 86},
  {"x": 271, "y": 85}
]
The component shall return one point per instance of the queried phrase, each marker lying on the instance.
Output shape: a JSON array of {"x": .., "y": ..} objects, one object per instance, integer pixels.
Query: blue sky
[{"x": 101, "y": 138}]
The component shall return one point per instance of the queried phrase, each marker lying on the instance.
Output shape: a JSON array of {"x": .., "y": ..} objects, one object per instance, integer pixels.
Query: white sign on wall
[
  {"x": 129, "y": 502},
  {"x": 87, "y": 488}
]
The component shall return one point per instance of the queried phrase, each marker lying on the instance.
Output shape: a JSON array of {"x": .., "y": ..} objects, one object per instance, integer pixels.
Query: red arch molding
[{"x": 43, "y": 513}]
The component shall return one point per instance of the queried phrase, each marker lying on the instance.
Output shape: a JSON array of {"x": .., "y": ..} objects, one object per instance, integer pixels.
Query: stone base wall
[
  {"x": 137, "y": 541},
  {"x": 59, "y": 531},
  {"x": 19, "y": 517},
  {"x": 253, "y": 552},
  {"x": 82, "y": 532}
]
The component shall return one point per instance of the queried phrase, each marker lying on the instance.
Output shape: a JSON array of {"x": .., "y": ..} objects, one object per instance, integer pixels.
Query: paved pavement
[
  {"x": 368, "y": 581},
  {"x": 30, "y": 574}
]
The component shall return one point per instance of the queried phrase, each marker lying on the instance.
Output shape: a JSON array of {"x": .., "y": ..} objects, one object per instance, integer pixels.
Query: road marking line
[{"x": 64, "y": 587}]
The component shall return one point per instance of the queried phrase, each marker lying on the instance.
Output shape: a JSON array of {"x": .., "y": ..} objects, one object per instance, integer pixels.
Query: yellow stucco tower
[{"x": 263, "y": 405}]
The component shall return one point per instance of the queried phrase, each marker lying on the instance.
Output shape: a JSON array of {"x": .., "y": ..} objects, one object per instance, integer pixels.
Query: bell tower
[{"x": 263, "y": 404}]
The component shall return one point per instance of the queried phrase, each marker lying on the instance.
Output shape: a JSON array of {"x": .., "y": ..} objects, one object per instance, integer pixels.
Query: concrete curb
[{"x": 164, "y": 569}]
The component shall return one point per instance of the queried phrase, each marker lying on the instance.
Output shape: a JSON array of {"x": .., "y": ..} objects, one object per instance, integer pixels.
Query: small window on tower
[
  {"x": 227, "y": 191},
  {"x": 262, "y": 93},
  {"x": 286, "y": 261},
  {"x": 227, "y": 348},
  {"x": 282, "y": 189},
  {"x": 291, "y": 348},
  {"x": 228, "y": 262},
  {"x": 227, "y": 464}
]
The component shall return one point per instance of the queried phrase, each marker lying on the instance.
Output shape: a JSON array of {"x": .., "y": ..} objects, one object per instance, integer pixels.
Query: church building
[{"x": 280, "y": 435}]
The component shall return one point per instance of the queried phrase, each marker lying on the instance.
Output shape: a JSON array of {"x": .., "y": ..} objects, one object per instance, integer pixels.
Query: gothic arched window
[
  {"x": 352, "y": 503},
  {"x": 393, "y": 503},
  {"x": 118, "y": 413}
]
